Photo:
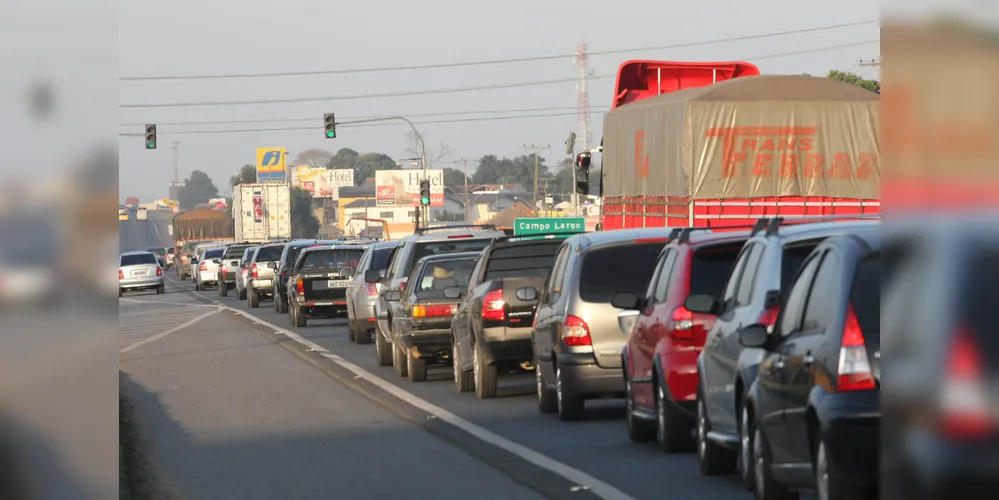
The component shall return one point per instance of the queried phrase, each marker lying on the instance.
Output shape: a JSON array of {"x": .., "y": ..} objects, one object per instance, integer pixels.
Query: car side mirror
[
  {"x": 754, "y": 336},
  {"x": 372, "y": 276},
  {"x": 392, "y": 295},
  {"x": 527, "y": 294},
  {"x": 702, "y": 304},
  {"x": 628, "y": 301},
  {"x": 452, "y": 292},
  {"x": 626, "y": 320},
  {"x": 347, "y": 272},
  {"x": 272, "y": 265}
]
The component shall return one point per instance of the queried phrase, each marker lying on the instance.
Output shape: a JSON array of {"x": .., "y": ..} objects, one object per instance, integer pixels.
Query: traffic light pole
[{"x": 419, "y": 138}]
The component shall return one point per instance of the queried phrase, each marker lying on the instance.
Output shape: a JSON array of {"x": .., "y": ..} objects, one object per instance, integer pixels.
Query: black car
[
  {"x": 320, "y": 277},
  {"x": 426, "y": 308},
  {"x": 815, "y": 412},
  {"x": 284, "y": 270}
]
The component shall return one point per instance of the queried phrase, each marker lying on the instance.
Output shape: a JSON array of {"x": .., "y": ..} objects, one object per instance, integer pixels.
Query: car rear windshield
[
  {"x": 451, "y": 246},
  {"x": 534, "y": 259},
  {"x": 441, "y": 274},
  {"x": 331, "y": 259},
  {"x": 619, "y": 268},
  {"x": 865, "y": 296},
  {"x": 711, "y": 267},
  {"x": 213, "y": 253},
  {"x": 293, "y": 252},
  {"x": 793, "y": 257},
  {"x": 249, "y": 254},
  {"x": 269, "y": 254},
  {"x": 380, "y": 260},
  {"x": 137, "y": 259},
  {"x": 170, "y": 250},
  {"x": 235, "y": 251}
]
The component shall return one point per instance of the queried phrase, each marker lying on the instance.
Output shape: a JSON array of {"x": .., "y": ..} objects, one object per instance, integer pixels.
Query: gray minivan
[{"x": 576, "y": 337}]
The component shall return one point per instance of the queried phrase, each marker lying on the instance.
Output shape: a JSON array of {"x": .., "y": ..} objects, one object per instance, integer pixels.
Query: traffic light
[
  {"x": 425, "y": 192},
  {"x": 150, "y": 136},
  {"x": 329, "y": 119},
  {"x": 583, "y": 173}
]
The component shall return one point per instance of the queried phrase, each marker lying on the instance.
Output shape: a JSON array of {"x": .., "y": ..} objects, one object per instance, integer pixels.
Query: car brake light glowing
[
  {"x": 121, "y": 274},
  {"x": 651, "y": 240},
  {"x": 460, "y": 236},
  {"x": 431, "y": 311},
  {"x": 854, "y": 372},
  {"x": 493, "y": 307},
  {"x": 371, "y": 289},
  {"x": 203, "y": 266},
  {"x": 682, "y": 325},
  {"x": 402, "y": 286},
  {"x": 769, "y": 316},
  {"x": 576, "y": 333},
  {"x": 300, "y": 286},
  {"x": 964, "y": 395},
  {"x": 253, "y": 271},
  {"x": 159, "y": 271}
]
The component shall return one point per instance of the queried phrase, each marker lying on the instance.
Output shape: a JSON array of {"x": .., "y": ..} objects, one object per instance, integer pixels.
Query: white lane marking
[
  {"x": 596, "y": 486},
  {"x": 165, "y": 302},
  {"x": 156, "y": 229},
  {"x": 168, "y": 332}
]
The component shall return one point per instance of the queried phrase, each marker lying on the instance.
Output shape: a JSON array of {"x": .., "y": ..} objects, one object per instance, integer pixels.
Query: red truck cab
[{"x": 640, "y": 79}]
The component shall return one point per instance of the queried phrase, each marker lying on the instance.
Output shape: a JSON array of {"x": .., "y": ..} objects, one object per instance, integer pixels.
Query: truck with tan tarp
[{"x": 733, "y": 151}]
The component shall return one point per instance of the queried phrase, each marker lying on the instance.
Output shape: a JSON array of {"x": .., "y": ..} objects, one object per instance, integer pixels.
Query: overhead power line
[
  {"x": 496, "y": 86},
  {"x": 492, "y": 61}
]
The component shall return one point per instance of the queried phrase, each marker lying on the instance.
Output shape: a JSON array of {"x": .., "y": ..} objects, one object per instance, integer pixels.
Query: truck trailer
[{"x": 262, "y": 212}]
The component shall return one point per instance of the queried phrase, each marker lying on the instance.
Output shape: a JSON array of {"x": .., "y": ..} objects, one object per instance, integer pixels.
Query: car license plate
[
  {"x": 337, "y": 283},
  {"x": 140, "y": 272}
]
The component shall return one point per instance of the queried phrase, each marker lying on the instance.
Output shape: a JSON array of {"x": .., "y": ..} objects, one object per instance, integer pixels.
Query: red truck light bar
[{"x": 460, "y": 236}]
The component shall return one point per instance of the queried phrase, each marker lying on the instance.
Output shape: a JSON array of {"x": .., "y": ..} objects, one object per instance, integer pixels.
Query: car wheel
[
  {"x": 253, "y": 299},
  {"x": 280, "y": 303},
  {"x": 570, "y": 406},
  {"x": 241, "y": 294},
  {"x": 639, "y": 431},
  {"x": 300, "y": 319},
  {"x": 160, "y": 290},
  {"x": 464, "y": 381},
  {"x": 829, "y": 481},
  {"x": 673, "y": 431},
  {"x": 351, "y": 331},
  {"x": 363, "y": 335},
  {"x": 547, "y": 398},
  {"x": 765, "y": 487},
  {"x": 224, "y": 290},
  {"x": 484, "y": 375},
  {"x": 714, "y": 459},
  {"x": 121, "y": 291},
  {"x": 745, "y": 465},
  {"x": 417, "y": 368},
  {"x": 382, "y": 350},
  {"x": 399, "y": 359}
]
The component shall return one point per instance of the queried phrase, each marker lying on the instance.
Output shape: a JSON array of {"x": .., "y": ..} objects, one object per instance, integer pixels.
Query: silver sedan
[{"x": 139, "y": 271}]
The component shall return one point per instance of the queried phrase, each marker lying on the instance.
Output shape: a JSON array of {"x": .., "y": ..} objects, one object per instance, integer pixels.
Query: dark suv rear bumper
[{"x": 584, "y": 377}]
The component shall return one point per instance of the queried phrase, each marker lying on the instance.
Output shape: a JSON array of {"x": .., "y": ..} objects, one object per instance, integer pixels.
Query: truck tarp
[
  {"x": 751, "y": 137},
  {"x": 202, "y": 225}
]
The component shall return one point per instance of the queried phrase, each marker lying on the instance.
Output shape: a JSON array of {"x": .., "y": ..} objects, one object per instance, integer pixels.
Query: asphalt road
[{"x": 595, "y": 453}]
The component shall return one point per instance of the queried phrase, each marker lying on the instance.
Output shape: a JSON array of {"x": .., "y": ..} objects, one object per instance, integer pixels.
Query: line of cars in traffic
[{"x": 757, "y": 349}]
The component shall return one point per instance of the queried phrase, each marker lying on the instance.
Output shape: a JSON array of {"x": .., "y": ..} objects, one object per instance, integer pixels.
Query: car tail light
[
  {"x": 651, "y": 240},
  {"x": 203, "y": 266},
  {"x": 460, "y": 236},
  {"x": 183, "y": 258},
  {"x": 682, "y": 325},
  {"x": 769, "y": 316},
  {"x": 300, "y": 286},
  {"x": 159, "y": 271},
  {"x": 965, "y": 398},
  {"x": 431, "y": 311},
  {"x": 576, "y": 333},
  {"x": 402, "y": 286},
  {"x": 371, "y": 289},
  {"x": 253, "y": 271},
  {"x": 493, "y": 307},
  {"x": 121, "y": 274},
  {"x": 854, "y": 373}
]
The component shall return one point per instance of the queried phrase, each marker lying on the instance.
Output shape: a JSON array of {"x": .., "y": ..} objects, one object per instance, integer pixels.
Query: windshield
[
  {"x": 522, "y": 260},
  {"x": 441, "y": 274},
  {"x": 213, "y": 253},
  {"x": 137, "y": 259},
  {"x": 235, "y": 251},
  {"x": 331, "y": 259}
]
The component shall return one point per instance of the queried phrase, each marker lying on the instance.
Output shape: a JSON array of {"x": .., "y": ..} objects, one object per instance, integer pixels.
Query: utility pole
[
  {"x": 176, "y": 171},
  {"x": 465, "y": 161},
  {"x": 537, "y": 151}
]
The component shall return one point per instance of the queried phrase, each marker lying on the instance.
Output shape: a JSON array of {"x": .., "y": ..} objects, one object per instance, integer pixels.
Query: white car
[{"x": 141, "y": 214}]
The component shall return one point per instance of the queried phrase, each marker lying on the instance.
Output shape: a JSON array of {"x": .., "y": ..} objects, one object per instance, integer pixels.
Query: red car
[{"x": 660, "y": 357}]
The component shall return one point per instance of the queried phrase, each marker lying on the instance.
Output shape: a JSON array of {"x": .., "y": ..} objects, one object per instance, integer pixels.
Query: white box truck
[{"x": 262, "y": 212}]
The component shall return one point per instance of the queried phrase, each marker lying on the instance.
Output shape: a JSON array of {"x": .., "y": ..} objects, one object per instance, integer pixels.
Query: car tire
[
  {"x": 673, "y": 430},
  {"x": 712, "y": 458},
  {"x": 223, "y": 290},
  {"x": 298, "y": 318},
  {"x": 241, "y": 294},
  {"x": 829, "y": 481},
  {"x": 639, "y": 431},
  {"x": 464, "y": 380},
  {"x": 363, "y": 335},
  {"x": 160, "y": 290},
  {"x": 484, "y": 374},
  {"x": 253, "y": 299},
  {"x": 383, "y": 353},
  {"x": 351, "y": 331},
  {"x": 570, "y": 406},
  {"x": 547, "y": 398},
  {"x": 417, "y": 368},
  {"x": 121, "y": 291},
  {"x": 399, "y": 359},
  {"x": 281, "y": 304},
  {"x": 745, "y": 461},
  {"x": 765, "y": 487}
]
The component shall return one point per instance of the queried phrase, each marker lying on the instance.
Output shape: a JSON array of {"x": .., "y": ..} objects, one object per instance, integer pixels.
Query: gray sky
[{"x": 184, "y": 37}]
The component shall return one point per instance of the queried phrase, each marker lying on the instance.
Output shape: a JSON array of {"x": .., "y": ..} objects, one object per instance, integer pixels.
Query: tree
[
  {"x": 246, "y": 175},
  {"x": 432, "y": 156},
  {"x": 454, "y": 177},
  {"x": 304, "y": 223},
  {"x": 198, "y": 188},
  {"x": 518, "y": 170},
  {"x": 315, "y": 158},
  {"x": 363, "y": 165},
  {"x": 853, "y": 79}
]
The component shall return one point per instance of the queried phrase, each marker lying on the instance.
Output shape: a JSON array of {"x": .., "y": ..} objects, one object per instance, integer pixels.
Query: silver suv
[
  {"x": 361, "y": 295},
  {"x": 260, "y": 277}
]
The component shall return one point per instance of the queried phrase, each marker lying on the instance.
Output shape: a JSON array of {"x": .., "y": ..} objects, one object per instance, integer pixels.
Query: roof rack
[
  {"x": 424, "y": 230},
  {"x": 773, "y": 225},
  {"x": 682, "y": 234},
  {"x": 539, "y": 236}
]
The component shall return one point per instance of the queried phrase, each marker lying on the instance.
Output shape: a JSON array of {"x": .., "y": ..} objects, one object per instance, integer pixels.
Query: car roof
[
  {"x": 450, "y": 256},
  {"x": 446, "y": 234},
  {"x": 137, "y": 252},
  {"x": 384, "y": 244},
  {"x": 332, "y": 247},
  {"x": 621, "y": 235},
  {"x": 804, "y": 230}
]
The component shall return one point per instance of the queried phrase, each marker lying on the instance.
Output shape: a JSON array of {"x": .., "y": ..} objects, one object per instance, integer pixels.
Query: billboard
[
  {"x": 270, "y": 165},
  {"x": 317, "y": 181},
  {"x": 342, "y": 177},
  {"x": 401, "y": 188}
]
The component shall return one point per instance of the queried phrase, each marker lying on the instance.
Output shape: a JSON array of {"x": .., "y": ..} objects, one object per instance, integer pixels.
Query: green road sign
[{"x": 544, "y": 225}]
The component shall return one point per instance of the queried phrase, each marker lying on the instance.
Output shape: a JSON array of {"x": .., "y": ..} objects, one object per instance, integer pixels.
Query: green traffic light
[
  {"x": 150, "y": 145},
  {"x": 424, "y": 200},
  {"x": 331, "y": 134}
]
